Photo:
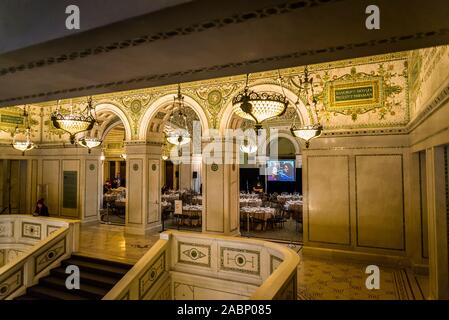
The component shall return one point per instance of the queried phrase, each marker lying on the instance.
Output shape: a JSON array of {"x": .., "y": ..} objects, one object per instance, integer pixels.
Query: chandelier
[
  {"x": 249, "y": 144},
  {"x": 179, "y": 136},
  {"x": 165, "y": 152},
  {"x": 248, "y": 147},
  {"x": 74, "y": 122},
  {"x": 89, "y": 143},
  {"x": 22, "y": 142},
  {"x": 259, "y": 106},
  {"x": 307, "y": 132}
]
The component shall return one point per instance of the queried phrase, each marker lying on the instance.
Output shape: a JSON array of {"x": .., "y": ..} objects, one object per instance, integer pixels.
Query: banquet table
[
  {"x": 249, "y": 195},
  {"x": 288, "y": 197},
  {"x": 292, "y": 204},
  {"x": 192, "y": 210},
  {"x": 250, "y": 202},
  {"x": 170, "y": 197},
  {"x": 262, "y": 213},
  {"x": 197, "y": 200}
]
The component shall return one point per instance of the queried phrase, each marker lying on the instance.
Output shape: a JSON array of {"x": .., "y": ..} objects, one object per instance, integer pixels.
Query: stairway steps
[
  {"x": 97, "y": 277},
  {"x": 87, "y": 291},
  {"x": 46, "y": 293},
  {"x": 118, "y": 264},
  {"x": 101, "y": 281},
  {"x": 95, "y": 267}
]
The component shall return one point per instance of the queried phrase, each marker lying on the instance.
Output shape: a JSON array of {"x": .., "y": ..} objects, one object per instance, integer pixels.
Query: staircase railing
[
  {"x": 60, "y": 239},
  {"x": 187, "y": 265}
]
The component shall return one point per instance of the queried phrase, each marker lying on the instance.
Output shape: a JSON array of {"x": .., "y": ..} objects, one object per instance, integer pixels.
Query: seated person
[{"x": 41, "y": 209}]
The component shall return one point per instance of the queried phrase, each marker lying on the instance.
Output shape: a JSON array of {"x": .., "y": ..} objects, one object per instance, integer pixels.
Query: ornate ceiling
[{"x": 165, "y": 45}]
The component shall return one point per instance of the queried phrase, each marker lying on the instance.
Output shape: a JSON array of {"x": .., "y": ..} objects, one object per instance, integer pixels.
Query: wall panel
[
  {"x": 329, "y": 199},
  {"x": 134, "y": 195},
  {"x": 380, "y": 201},
  {"x": 91, "y": 200},
  {"x": 51, "y": 177}
]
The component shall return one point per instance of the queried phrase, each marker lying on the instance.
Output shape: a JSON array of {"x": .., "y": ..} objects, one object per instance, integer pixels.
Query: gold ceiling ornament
[
  {"x": 179, "y": 136},
  {"x": 22, "y": 140},
  {"x": 307, "y": 132},
  {"x": 74, "y": 122},
  {"x": 259, "y": 106}
]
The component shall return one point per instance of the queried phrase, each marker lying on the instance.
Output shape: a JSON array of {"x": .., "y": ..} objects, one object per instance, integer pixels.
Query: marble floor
[
  {"x": 318, "y": 278},
  {"x": 111, "y": 242}
]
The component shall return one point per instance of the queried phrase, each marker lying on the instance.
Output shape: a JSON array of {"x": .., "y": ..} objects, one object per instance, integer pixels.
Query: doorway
[
  {"x": 113, "y": 210},
  {"x": 271, "y": 199}
]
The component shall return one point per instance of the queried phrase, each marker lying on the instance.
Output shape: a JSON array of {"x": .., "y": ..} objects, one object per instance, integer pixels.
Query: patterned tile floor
[
  {"x": 326, "y": 279},
  {"x": 318, "y": 279}
]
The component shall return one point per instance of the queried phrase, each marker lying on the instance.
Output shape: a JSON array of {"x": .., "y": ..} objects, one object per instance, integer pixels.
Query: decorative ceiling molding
[
  {"x": 247, "y": 63},
  {"x": 280, "y": 9}
]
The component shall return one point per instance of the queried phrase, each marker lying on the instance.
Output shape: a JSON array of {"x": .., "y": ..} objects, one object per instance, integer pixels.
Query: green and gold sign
[
  {"x": 11, "y": 119},
  {"x": 354, "y": 94},
  {"x": 345, "y": 95}
]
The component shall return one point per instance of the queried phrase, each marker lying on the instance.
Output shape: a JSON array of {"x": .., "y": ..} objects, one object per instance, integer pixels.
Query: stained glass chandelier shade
[
  {"x": 22, "y": 141},
  {"x": 74, "y": 123},
  {"x": 259, "y": 106}
]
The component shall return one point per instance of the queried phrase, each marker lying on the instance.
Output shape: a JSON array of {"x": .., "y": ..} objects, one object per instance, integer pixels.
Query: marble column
[
  {"x": 143, "y": 168},
  {"x": 437, "y": 223},
  {"x": 220, "y": 197},
  {"x": 185, "y": 176},
  {"x": 196, "y": 167}
]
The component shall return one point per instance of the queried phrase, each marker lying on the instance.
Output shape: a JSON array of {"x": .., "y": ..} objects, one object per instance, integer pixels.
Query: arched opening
[
  {"x": 271, "y": 181},
  {"x": 181, "y": 166},
  {"x": 112, "y": 130}
]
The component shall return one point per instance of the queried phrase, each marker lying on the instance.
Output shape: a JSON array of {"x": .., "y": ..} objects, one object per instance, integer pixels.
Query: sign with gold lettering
[{"x": 349, "y": 96}]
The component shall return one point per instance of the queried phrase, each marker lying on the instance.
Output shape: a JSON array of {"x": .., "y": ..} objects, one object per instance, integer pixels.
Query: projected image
[{"x": 281, "y": 170}]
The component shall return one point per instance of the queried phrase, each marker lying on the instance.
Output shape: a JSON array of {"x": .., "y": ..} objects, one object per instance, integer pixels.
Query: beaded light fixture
[
  {"x": 22, "y": 141},
  {"x": 179, "y": 136},
  {"x": 259, "y": 106},
  {"x": 74, "y": 122},
  {"x": 307, "y": 132}
]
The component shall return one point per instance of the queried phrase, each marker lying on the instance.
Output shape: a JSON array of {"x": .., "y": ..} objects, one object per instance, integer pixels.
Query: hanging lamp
[{"x": 259, "y": 106}]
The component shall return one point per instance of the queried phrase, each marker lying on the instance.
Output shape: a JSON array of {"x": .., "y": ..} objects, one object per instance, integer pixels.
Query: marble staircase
[{"x": 97, "y": 277}]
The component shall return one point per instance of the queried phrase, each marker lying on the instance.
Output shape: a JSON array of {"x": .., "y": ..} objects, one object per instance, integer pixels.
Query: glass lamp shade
[
  {"x": 72, "y": 123},
  {"x": 23, "y": 142},
  {"x": 248, "y": 148},
  {"x": 89, "y": 143},
  {"x": 178, "y": 138},
  {"x": 164, "y": 157},
  {"x": 23, "y": 145},
  {"x": 307, "y": 133},
  {"x": 102, "y": 157},
  {"x": 259, "y": 106},
  {"x": 123, "y": 156}
]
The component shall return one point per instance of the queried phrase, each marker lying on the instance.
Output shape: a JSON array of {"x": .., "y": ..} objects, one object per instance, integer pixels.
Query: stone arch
[
  {"x": 163, "y": 101},
  {"x": 289, "y": 137},
  {"x": 113, "y": 108},
  {"x": 301, "y": 110}
]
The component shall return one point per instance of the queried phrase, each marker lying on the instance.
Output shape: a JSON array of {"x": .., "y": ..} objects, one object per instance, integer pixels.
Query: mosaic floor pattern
[{"x": 325, "y": 279}]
